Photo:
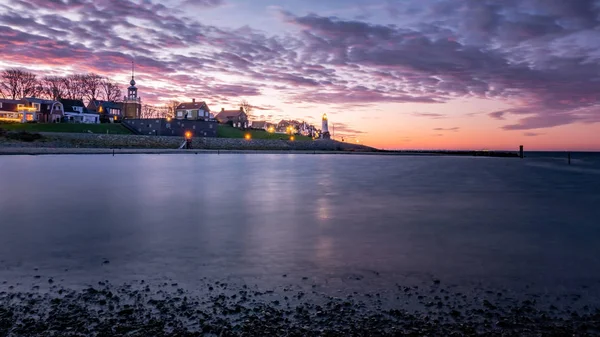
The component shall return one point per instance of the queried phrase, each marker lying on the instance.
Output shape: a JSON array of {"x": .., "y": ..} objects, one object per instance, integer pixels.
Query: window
[
  {"x": 179, "y": 113},
  {"x": 37, "y": 106},
  {"x": 0, "y": 105}
]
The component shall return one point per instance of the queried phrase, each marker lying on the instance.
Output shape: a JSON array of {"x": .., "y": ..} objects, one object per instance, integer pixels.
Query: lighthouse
[{"x": 325, "y": 128}]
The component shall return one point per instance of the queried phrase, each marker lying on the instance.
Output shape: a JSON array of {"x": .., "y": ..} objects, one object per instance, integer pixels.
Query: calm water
[{"x": 255, "y": 217}]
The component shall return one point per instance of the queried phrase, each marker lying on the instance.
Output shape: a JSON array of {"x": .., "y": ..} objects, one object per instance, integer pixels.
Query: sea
[{"x": 336, "y": 222}]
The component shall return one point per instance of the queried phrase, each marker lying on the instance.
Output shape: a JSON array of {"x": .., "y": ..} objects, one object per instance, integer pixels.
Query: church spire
[{"x": 132, "y": 73}]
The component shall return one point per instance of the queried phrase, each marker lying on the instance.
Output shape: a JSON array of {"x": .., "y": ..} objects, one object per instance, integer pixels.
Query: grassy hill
[
  {"x": 226, "y": 131},
  {"x": 67, "y": 128}
]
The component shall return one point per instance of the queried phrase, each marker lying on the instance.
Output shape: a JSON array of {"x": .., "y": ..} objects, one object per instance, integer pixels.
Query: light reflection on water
[{"x": 186, "y": 217}]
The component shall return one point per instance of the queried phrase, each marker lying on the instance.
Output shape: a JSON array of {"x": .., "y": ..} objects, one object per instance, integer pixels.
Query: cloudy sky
[{"x": 477, "y": 74}]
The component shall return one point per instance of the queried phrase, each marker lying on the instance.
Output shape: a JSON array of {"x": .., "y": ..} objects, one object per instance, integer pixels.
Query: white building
[{"x": 76, "y": 112}]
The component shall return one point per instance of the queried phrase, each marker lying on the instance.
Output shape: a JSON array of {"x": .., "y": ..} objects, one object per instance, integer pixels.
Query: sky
[{"x": 394, "y": 74}]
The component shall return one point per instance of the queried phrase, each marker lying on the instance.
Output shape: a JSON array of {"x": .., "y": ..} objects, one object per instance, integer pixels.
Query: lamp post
[{"x": 188, "y": 140}]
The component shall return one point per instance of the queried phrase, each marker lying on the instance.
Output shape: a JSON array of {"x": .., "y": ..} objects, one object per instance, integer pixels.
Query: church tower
[
  {"x": 325, "y": 128},
  {"x": 132, "y": 103}
]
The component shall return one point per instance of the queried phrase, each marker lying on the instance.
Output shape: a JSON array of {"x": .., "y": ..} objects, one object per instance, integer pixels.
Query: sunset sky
[{"x": 396, "y": 74}]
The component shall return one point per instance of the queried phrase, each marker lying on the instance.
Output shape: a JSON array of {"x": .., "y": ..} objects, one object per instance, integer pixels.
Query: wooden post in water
[
  {"x": 521, "y": 154},
  {"x": 569, "y": 156}
]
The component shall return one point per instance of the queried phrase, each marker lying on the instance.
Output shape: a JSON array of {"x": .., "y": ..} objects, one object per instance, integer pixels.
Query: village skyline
[
  {"x": 397, "y": 74},
  {"x": 94, "y": 90}
]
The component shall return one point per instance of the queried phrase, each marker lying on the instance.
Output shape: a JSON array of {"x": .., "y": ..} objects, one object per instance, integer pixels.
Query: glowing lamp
[
  {"x": 188, "y": 135},
  {"x": 292, "y": 138},
  {"x": 247, "y": 136}
]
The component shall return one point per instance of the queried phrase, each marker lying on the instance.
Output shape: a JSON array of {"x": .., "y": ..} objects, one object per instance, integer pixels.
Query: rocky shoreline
[
  {"x": 113, "y": 141},
  {"x": 223, "y": 309},
  {"x": 81, "y": 143}
]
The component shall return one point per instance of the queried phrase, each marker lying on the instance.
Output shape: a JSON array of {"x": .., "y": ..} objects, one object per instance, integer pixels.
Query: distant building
[
  {"x": 31, "y": 109},
  {"x": 76, "y": 112},
  {"x": 263, "y": 125},
  {"x": 237, "y": 118},
  {"x": 110, "y": 112},
  {"x": 193, "y": 110},
  {"x": 289, "y": 127},
  {"x": 325, "y": 128},
  {"x": 8, "y": 110},
  {"x": 132, "y": 104}
]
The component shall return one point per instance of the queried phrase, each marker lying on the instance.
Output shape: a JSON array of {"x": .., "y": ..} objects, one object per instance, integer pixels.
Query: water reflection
[{"x": 188, "y": 217}]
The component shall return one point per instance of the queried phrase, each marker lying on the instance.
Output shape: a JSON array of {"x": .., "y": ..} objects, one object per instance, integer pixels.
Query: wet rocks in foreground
[{"x": 224, "y": 309}]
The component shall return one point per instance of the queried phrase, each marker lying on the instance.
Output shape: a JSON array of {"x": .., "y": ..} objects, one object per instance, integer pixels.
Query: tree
[
  {"x": 155, "y": 111},
  {"x": 147, "y": 111},
  {"x": 74, "y": 86},
  {"x": 53, "y": 87},
  {"x": 92, "y": 84},
  {"x": 110, "y": 90},
  {"x": 172, "y": 108},
  {"x": 17, "y": 84},
  {"x": 248, "y": 108}
]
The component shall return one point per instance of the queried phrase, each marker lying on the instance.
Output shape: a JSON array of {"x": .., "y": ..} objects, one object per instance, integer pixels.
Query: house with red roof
[
  {"x": 237, "y": 118},
  {"x": 193, "y": 110}
]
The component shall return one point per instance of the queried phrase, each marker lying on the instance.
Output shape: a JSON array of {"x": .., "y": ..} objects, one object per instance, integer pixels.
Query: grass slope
[
  {"x": 226, "y": 131},
  {"x": 66, "y": 127}
]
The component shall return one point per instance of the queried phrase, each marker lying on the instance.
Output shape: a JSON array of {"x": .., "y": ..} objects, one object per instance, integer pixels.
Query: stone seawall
[{"x": 88, "y": 140}]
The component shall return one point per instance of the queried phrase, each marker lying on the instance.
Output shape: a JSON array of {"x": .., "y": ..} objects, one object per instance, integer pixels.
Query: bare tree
[
  {"x": 164, "y": 111},
  {"x": 155, "y": 111},
  {"x": 17, "y": 84},
  {"x": 110, "y": 90},
  {"x": 148, "y": 111},
  {"x": 74, "y": 86},
  {"x": 53, "y": 87},
  {"x": 92, "y": 84},
  {"x": 248, "y": 108},
  {"x": 172, "y": 108}
]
